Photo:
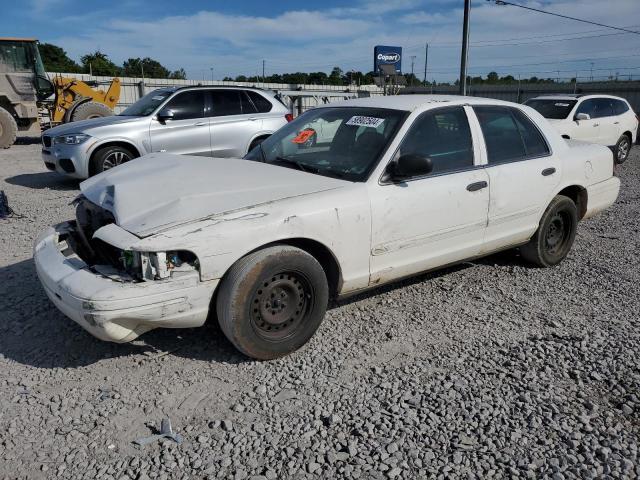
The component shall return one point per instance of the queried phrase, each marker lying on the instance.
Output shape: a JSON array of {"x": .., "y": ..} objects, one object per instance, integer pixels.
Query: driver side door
[
  {"x": 187, "y": 132},
  {"x": 425, "y": 222}
]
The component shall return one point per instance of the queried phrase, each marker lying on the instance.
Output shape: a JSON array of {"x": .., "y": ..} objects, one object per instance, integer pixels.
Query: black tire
[
  {"x": 272, "y": 301},
  {"x": 555, "y": 235},
  {"x": 622, "y": 149},
  {"x": 8, "y": 129},
  {"x": 89, "y": 110},
  {"x": 109, "y": 157}
]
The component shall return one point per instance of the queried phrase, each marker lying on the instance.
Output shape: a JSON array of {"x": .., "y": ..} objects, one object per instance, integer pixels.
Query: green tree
[
  {"x": 55, "y": 59},
  {"x": 179, "y": 74},
  {"x": 492, "y": 77},
  {"x": 150, "y": 68},
  {"x": 99, "y": 63},
  {"x": 335, "y": 78}
]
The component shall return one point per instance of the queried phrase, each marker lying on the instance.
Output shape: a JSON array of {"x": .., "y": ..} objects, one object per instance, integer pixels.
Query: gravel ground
[{"x": 488, "y": 369}]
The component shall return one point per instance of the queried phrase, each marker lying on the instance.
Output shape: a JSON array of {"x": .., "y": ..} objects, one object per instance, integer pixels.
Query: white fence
[{"x": 132, "y": 88}]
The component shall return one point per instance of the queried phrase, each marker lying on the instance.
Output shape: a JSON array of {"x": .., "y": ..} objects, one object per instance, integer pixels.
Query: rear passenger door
[
  {"x": 523, "y": 174},
  {"x": 233, "y": 122},
  {"x": 188, "y": 131},
  {"x": 607, "y": 120}
]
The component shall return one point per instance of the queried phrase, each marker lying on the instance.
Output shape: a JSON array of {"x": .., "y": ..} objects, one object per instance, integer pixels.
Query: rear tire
[
  {"x": 89, "y": 110},
  {"x": 555, "y": 235},
  {"x": 8, "y": 129},
  {"x": 272, "y": 301},
  {"x": 109, "y": 157},
  {"x": 622, "y": 149}
]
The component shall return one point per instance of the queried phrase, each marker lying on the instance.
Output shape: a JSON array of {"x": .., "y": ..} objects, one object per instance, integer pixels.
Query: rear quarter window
[
  {"x": 262, "y": 104},
  {"x": 620, "y": 107}
]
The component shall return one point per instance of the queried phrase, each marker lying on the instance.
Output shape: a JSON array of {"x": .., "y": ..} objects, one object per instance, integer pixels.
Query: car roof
[
  {"x": 576, "y": 96},
  {"x": 175, "y": 88},
  {"x": 414, "y": 102}
]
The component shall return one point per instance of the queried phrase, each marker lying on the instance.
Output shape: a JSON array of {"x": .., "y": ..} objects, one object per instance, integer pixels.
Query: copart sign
[{"x": 387, "y": 55}]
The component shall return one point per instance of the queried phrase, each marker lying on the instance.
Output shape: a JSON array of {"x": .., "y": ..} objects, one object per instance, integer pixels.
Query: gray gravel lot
[{"x": 488, "y": 369}]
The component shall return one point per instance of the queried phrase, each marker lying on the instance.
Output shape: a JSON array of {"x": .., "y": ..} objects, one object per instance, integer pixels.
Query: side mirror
[
  {"x": 583, "y": 116},
  {"x": 164, "y": 115},
  {"x": 409, "y": 165}
]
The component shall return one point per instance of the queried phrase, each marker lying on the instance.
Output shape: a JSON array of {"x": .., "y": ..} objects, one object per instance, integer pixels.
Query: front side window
[
  {"x": 554, "y": 109},
  {"x": 147, "y": 104},
  {"x": 343, "y": 142},
  {"x": 443, "y": 136},
  {"x": 187, "y": 105},
  {"x": 226, "y": 102},
  {"x": 589, "y": 107},
  {"x": 604, "y": 107}
]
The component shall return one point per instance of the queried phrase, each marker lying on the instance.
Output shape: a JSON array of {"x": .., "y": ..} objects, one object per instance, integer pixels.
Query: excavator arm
[{"x": 70, "y": 93}]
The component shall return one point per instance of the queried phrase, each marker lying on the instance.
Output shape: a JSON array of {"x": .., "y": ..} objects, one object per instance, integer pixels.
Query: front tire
[
  {"x": 555, "y": 235},
  {"x": 109, "y": 157},
  {"x": 622, "y": 149},
  {"x": 272, "y": 301}
]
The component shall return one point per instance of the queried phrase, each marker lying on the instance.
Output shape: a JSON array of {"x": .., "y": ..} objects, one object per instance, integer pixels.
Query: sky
[{"x": 233, "y": 37}]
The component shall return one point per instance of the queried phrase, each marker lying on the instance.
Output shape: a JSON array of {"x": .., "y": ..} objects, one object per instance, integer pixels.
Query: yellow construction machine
[{"x": 25, "y": 90}]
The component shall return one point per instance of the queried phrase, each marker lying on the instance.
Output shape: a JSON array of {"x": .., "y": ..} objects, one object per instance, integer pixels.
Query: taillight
[{"x": 289, "y": 117}]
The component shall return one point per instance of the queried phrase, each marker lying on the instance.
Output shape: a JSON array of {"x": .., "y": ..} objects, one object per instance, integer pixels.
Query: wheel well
[
  {"x": 579, "y": 196},
  {"x": 259, "y": 137},
  {"x": 126, "y": 145},
  {"x": 628, "y": 134},
  {"x": 322, "y": 254}
]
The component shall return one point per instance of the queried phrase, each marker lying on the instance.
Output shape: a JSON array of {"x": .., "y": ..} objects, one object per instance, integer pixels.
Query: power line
[{"x": 502, "y": 2}]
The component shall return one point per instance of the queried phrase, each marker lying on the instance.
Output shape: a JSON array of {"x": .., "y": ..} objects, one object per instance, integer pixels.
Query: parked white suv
[
  {"x": 203, "y": 121},
  {"x": 602, "y": 119}
]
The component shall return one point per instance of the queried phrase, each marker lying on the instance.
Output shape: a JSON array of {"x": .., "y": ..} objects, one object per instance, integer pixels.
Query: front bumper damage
[{"x": 112, "y": 309}]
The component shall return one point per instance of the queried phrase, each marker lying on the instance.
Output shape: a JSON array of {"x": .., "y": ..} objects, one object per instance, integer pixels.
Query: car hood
[
  {"x": 159, "y": 191},
  {"x": 85, "y": 126}
]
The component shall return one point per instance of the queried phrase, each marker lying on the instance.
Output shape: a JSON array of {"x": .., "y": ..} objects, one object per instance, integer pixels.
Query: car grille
[{"x": 46, "y": 141}]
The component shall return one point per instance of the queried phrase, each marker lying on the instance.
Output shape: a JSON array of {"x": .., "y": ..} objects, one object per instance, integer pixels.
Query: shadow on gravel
[
  {"x": 50, "y": 180},
  {"x": 33, "y": 332},
  {"x": 507, "y": 258}
]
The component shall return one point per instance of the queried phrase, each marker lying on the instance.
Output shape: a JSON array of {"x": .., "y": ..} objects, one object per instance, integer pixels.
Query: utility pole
[
  {"x": 592, "y": 71},
  {"x": 211, "y": 68},
  {"x": 426, "y": 62},
  {"x": 263, "y": 71},
  {"x": 465, "y": 46},
  {"x": 413, "y": 60}
]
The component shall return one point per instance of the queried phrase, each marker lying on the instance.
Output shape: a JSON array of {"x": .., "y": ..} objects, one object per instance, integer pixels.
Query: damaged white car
[{"x": 403, "y": 185}]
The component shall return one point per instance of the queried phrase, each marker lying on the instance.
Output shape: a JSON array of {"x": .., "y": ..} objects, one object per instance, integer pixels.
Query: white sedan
[{"x": 405, "y": 184}]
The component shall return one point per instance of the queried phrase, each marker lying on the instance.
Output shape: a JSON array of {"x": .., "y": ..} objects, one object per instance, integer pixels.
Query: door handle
[
  {"x": 596, "y": 124},
  {"x": 548, "y": 171},
  {"x": 473, "y": 187},
  {"x": 201, "y": 124},
  {"x": 253, "y": 119},
  {"x": 616, "y": 123}
]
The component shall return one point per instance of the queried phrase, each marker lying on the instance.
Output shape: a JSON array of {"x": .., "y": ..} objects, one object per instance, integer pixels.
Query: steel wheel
[
  {"x": 557, "y": 233},
  {"x": 280, "y": 305},
  {"x": 114, "y": 159}
]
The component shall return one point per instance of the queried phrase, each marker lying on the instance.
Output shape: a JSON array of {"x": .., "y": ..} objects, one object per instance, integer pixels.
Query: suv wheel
[
  {"x": 622, "y": 149},
  {"x": 108, "y": 157}
]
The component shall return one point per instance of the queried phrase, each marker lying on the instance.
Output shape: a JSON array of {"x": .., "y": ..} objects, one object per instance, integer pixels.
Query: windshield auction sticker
[
  {"x": 360, "y": 121},
  {"x": 304, "y": 136}
]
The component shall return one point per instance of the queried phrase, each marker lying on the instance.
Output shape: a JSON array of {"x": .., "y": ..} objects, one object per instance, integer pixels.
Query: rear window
[
  {"x": 262, "y": 104},
  {"x": 552, "y": 108}
]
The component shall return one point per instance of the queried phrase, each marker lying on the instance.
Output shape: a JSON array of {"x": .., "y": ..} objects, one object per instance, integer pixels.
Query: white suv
[{"x": 602, "y": 119}]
